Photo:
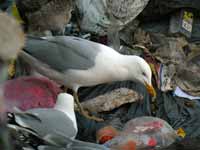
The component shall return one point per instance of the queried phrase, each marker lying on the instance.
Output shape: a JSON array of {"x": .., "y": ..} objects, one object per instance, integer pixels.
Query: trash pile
[{"x": 99, "y": 74}]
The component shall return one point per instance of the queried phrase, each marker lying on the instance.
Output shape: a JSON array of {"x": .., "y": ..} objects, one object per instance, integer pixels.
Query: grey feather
[
  {"x": 46, "y": 121},
  {"x": 71, "y": 148},
  {"x": 56, "y": 141},
  {"x": 63, "y": 52},
  {"x": 50, "y": 148},
  {"x": 71, "y": 144}
]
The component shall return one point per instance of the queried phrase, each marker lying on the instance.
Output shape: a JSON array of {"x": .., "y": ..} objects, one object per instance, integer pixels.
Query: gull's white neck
[
  {"x": 109, "y": 66},
  {"x": 121, "y": 67}
]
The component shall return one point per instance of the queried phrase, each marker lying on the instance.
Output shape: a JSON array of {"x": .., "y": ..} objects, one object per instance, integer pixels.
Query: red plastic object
[
  {"x": 105, "y": 134},
  {"x": 30, "y": 92},
  {"x": 152, "y": 142}
]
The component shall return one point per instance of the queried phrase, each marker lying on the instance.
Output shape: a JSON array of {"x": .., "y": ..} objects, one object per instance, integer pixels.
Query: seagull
[
  {"x": 76, "y": 62},
  {"x": 48, "y": 129},
  {"x": 26, "y": 139},
  {"x": 50, "y": 121}
]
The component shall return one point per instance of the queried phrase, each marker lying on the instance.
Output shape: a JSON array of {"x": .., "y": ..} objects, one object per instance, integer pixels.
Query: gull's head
[
  {"x": 65, "y": 103},
  {"x": 140, "y": 70}
]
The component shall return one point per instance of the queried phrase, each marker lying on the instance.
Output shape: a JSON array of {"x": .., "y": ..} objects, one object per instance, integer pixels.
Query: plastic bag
[
  {"x": 98, "y": 15},
  {"x": 146, "y": 132}
]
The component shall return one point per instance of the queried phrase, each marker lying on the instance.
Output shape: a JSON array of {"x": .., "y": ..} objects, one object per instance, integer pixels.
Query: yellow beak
[{"x": 150, "y": 90}]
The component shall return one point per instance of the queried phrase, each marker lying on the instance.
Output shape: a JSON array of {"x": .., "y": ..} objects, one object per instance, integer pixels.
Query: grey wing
[
  {"x": 72, "y": 144},
  {"x": 71, "y": 148},
  {"x": 62, "y": 53},
  {"x": 50, "y": 148},
  {"x": 54, "y": 121},
  {"x": 45, "y": 121},
  {"x": 77, "y": 145}
]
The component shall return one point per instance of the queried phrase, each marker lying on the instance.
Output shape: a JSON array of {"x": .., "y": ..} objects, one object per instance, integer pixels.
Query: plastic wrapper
[
  {"x": 146, "y": 132},
  {"x": 29, "y": 92},
  {"x": 98, "y": 15}
]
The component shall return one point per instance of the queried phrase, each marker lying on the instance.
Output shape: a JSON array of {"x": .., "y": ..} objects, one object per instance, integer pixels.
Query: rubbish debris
[
  {"x": 108, "y": 17},
  {"x": 87, "y": 47},
  {"x": 177, "y": 59},
  {"x": 95, "y": 14},
  {"x": 146, "y": 132},
  {"x": 41, "y": 16},
  {"x": 170, "y": 49},
  {"x": 105, "y": 134},
  {"x": 29, "y": 92},
  {"x": 168, "y": 107},
  {"x": 111, "y": 100},
  {"x": 180, "y": 132},
  {"x": 187, "y": 77},
  {"x": 157, "y": 9},
  {"x": 129, "y": 145},
  {"x": 181, "y": 93},
  {"x": 182, "y": 22},
  {"x": 167, "y": 72},
  {"x": 185, "y": 144}
]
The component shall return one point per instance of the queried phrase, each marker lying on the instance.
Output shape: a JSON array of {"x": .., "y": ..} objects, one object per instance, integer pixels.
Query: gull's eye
[{"x": 144, "y": 74}]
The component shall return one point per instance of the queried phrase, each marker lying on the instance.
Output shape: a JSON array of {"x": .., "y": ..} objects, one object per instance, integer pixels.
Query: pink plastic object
[{"x": 29, "y": 92}]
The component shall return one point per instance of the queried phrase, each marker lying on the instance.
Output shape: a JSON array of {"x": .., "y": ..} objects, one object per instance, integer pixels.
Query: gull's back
[
  {"x": 63, "y": 52},
  {"x": 47, "y": 121}
]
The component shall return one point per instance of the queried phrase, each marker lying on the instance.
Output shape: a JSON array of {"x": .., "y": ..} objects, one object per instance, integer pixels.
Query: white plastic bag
[{"x": 96, "y": 14}]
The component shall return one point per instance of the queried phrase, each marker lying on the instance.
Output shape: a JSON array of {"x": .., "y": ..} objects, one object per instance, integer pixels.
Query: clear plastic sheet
[{"x": 146, "y": 132}]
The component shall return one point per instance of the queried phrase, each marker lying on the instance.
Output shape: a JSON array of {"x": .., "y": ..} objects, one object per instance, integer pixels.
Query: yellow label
[
  {"x": 187, "y": 15},
  {"x": 180, "y": 132}
]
